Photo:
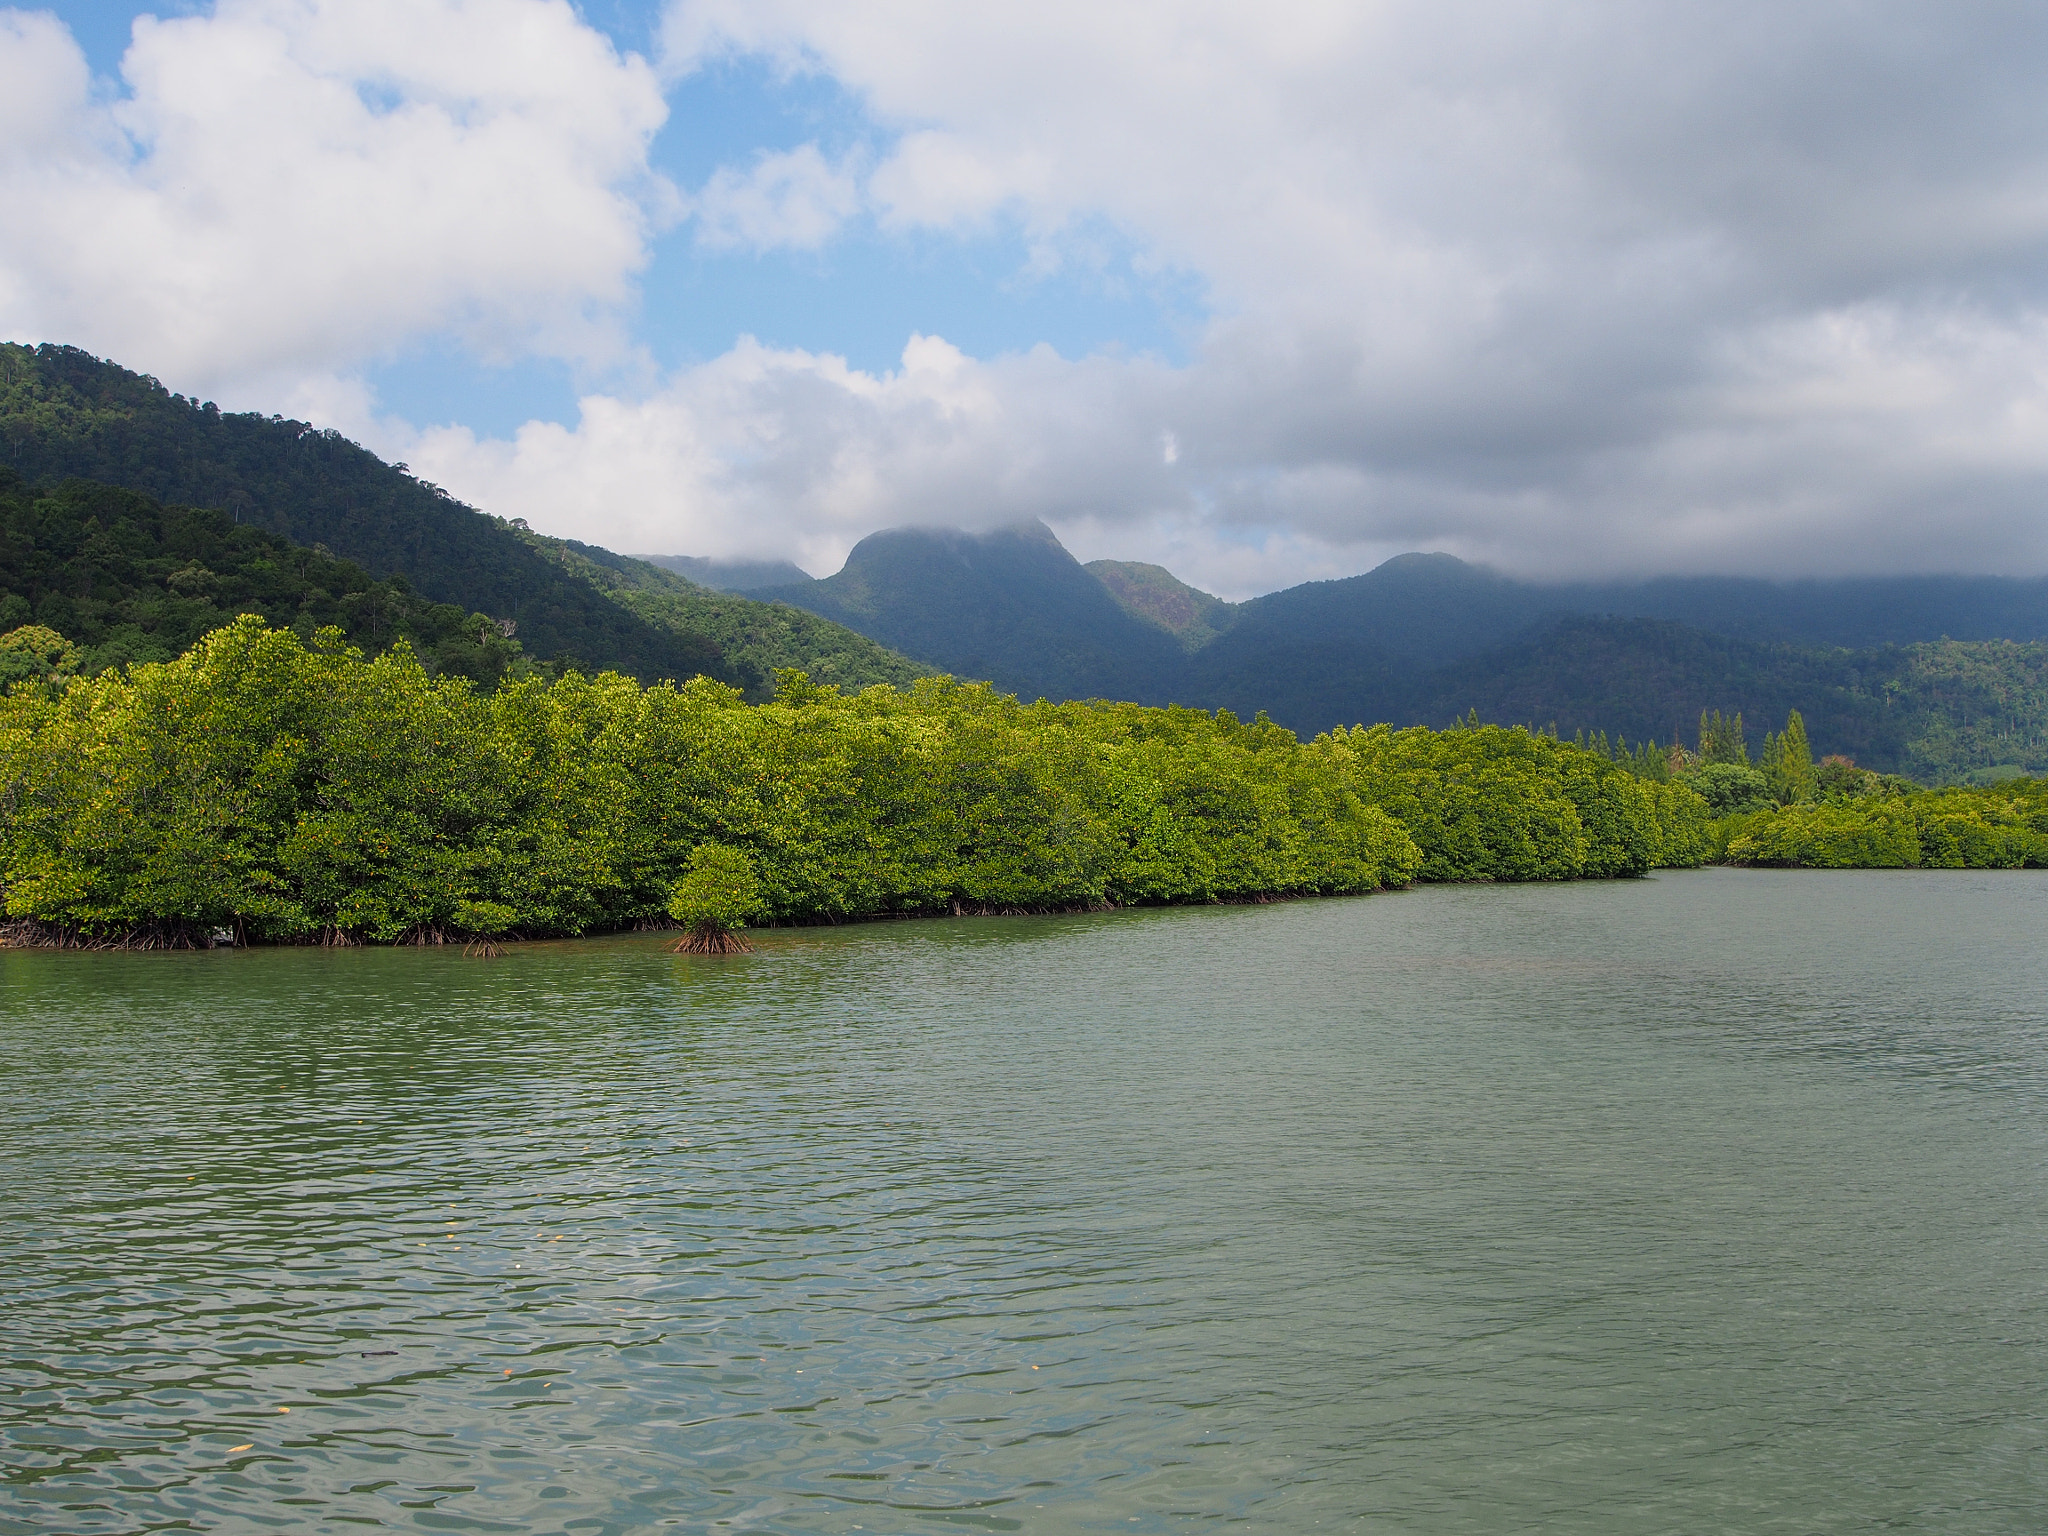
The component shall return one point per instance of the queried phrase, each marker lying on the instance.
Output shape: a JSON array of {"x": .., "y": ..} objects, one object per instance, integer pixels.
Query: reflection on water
[{"x": 1705, "y": 1203}]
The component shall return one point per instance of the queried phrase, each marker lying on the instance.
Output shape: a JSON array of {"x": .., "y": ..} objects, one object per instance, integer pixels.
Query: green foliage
[
  {"x": 484, "y": 919},
  {"x": 128, "y": 579},
  {"x": 1721, "y": 739},
  {"x": 1730, "y": 789},
  {"x": 717, "y": 892},
  {"x": 299, "y": 792},
  {"x": 756, "y": 638},
  {"x": 1787, "y": 762},
  {"x": 36, "y": 653},
  {"x": 1489, "y": 803},
  {"x": 1831, "y": 837},
  {"x": 1885, "y": 825},
  {"x": 1646, "y": 760},
  {"x": 1838, "y": 778},
  {"x": 65, "y": 414}
]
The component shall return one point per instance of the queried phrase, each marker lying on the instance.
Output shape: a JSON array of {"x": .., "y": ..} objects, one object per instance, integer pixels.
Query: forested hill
[
  {"x": 123, "y": 578},
  {"x": 1429, "y": 610},
  {"x": 65, "y": 414},
  {"x": 1012, "y": 607},
  {"x": 757, "y": 638}
]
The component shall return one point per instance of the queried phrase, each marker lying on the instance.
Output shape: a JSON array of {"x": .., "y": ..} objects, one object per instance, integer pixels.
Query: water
[{"x": 1707, "y": 1203}]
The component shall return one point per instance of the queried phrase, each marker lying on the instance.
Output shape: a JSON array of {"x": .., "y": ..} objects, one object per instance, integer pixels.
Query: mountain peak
[{"x": 1011, "y": 605}]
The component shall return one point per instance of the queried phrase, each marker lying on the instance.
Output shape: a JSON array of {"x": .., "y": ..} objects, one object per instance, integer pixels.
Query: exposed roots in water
[
  {"x": 483, "y": 949},
  {"x": 32, "y": 933},
  {"x": 423, "y": 935},
  {"x": 711, "y": 941},
  {"x": 959, "y": 908}
]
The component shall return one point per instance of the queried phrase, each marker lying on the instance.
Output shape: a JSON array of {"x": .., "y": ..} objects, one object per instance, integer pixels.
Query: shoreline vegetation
[
  {"x": 1786, "y": 811},
  {"x": 265, "y": 789},
  {"x": 261, "y": 789}
]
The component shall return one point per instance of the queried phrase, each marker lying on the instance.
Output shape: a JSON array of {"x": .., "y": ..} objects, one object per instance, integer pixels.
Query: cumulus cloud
[
  {"x": 1571, "y": 286},
  {"x": 784, "y": 452},
  {"x": 1585, "y": 286},
  {"x": 284, "y": 189},
  {"x": 778, "y": 450}
]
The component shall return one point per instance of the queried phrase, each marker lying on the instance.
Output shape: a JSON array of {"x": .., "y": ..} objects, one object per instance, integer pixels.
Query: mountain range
[
  {"x": 132, "y": 517},
  {"x": 1937, "y": 675}
]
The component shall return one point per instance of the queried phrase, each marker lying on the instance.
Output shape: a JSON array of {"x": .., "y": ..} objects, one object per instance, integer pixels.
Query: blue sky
[
  {"x": 861, "y": 298},
  {"x": 1261, "y": 293}
]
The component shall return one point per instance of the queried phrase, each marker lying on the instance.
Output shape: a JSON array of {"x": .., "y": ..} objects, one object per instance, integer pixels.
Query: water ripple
[{"x": 1704, "y": 1203}]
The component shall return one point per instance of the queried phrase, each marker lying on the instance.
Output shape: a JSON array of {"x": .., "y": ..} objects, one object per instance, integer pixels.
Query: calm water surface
[{"x": 1708, "y": 1203}]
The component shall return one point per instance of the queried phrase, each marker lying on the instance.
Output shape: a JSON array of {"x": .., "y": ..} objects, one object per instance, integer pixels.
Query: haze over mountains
[{"x": 1938, "y": 676}]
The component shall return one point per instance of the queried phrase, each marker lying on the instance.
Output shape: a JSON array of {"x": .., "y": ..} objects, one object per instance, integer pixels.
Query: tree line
[
  {"x": 1784, "y": 809},
  {"x": 289, "y": 790}
]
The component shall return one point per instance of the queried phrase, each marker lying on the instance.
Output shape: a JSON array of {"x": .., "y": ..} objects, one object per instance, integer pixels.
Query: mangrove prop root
[
  {"x": 29, "y": 933},
  {"x": 711, "y": 941},
  {"x": 483, "y": 949}
]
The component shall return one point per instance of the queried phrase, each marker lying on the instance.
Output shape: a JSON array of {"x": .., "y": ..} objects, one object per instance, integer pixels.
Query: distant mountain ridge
[
  {"x": 1940, "y": 676},
  {"x": 745, "y": 576},
  {"x": 1426, "y": 637}
]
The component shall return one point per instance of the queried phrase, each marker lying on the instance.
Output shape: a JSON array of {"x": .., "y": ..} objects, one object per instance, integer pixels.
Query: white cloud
[
  {"x": 779, "y": 452},
  {"x": 766, "y": 451},
  {"x": 793, "y": 199},
  {"x": 293, "y": 187},
  {"x": 1571, "y": 286},
  {"x": 1583, "y": 286}
]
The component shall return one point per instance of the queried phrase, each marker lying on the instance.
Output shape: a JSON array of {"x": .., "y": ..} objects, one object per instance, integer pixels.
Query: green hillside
[
  {"x": 1156, "y": 595},
  {"x": 757, "y": 638},
  {"x": 65, "y": 414},
  {"x": 126, "y": 579},
  {"x": 361, "y": 526},
  {"x": 1937, "y": 711}
]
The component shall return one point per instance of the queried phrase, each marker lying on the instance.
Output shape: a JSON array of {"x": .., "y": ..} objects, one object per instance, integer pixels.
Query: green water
[{"x": 1708, "y": 1203}]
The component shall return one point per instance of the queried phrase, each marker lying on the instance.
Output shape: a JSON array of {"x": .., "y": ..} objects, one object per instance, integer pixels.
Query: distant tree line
[{"x": 1785, "y": 809}]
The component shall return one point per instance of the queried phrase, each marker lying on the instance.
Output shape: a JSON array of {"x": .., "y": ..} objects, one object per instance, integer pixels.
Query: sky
[{"x": 1263, "y": 293}]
